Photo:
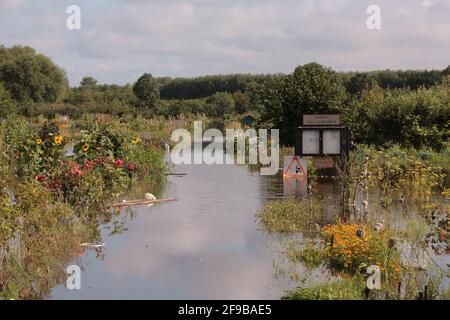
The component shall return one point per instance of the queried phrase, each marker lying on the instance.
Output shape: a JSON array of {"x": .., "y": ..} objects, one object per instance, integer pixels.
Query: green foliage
[
  {"x": 311, "y": 256},
  {"x": 400, "y": 172},
  {"x": 92, "y": 185},
  {"x": 144, "y": 161},
  {"x": 220, "y": 104},
  {"x": 202, "y": 87},
  {"x": 419, "y": 119},
  {"x": 392, "y": 79},
  {"x": 29, "y": 76},
  {"x": 441, "y": 160},
  {"x": 91, "y": 97},
  {"x": 175, "y": 108},
  {"x": 99, "y": 140},
  {"x": 345, "y": 289},
  {"x": 15, "y": 133},
  {"x": 242, "y": 102},
  {"x": 8, "y": 218},
  {"x": 290, "y": 215},
  {"x": 6, "y": 103},
  {"x": 146, "y": 90},
  {"x": 40, "y": 153},
  {"x": 312, "y": 88},
  {"x": 359, "y": 83},
  {"x": 47, "y": 235},
  {"x": 88, "y": 83}
]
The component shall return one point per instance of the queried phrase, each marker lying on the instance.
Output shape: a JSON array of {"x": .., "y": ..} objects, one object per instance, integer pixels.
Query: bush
[
  {"x": 350, "y": 247},
  {"x": 7, "y": 106},
  {"x": 418, "y": 119},
  {"x": 290, "y": 215},
  {"x": 337, "y": 290}
]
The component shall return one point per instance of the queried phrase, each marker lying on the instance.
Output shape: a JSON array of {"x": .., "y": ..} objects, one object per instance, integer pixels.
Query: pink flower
[
  {"x": 119, "y": 163},
  {"x": 131, "y": 166},
  {"x": 75, "y": 169},
  {"x": 89, "y": 164}
]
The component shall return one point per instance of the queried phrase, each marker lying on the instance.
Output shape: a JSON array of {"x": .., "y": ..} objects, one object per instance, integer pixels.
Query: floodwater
[{"x": 206, "y": 245}]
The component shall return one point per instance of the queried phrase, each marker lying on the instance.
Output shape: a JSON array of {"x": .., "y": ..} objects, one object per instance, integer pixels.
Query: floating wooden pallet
[{"x": 141, "y": 202}]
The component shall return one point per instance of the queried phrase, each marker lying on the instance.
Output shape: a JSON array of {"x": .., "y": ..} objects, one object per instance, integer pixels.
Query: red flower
[
  {"x": 131, "y": 166},
  {"x": 119, "y": 163},
  {"x": 75, "y": 169},
  {"x": 89, "y": 164}
]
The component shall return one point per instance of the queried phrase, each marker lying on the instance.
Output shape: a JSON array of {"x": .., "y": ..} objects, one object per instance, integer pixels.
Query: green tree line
[{"x": 384, "y": 107}]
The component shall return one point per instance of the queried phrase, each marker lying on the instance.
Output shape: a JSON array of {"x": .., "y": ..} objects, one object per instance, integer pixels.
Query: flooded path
[{"x": 204, "y": 246}]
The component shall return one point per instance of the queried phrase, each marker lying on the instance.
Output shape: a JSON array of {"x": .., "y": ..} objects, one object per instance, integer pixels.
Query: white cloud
[
  {"x": 429, "y": 3},
  {"x": 102, "y": 67},
  {"x": 11, "y": 3},
  {"x": 197, "y": 37}
]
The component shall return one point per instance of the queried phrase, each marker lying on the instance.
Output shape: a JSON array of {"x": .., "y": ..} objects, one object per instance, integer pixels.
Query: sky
[{"x": 120, "y": 40}]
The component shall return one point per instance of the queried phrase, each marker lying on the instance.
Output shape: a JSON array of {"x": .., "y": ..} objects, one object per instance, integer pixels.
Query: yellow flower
[
  {"x": 136, "y": 140},
  {"x": 39, "y": 141},
  {"x": 85, "y": 147},
  {"x": 58, "y": 139}
]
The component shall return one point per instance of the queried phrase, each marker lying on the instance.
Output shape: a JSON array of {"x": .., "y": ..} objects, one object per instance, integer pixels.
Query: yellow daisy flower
[
  {"x": 136, "y": 140},
  {"x": 58, "y": 139},
  {"x": 85, "y": 147}
]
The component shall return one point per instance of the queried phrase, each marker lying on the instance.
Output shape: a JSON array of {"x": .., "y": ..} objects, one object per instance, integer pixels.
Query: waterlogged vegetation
[
  {"x": 395, "y": 216},
  {"x": 290, "y": 215},
  {"x": 56, "y": 184}
]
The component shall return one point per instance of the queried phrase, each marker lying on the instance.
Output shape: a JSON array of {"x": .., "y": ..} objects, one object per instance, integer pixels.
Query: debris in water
[
  {"x": 141, "y": 202},
  {"x": 149, "y": 196},
  {"x": 92, "y": 245}
]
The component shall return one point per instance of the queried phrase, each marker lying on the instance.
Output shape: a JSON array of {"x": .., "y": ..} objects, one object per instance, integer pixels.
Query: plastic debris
[{"x": 92, "y": 245}]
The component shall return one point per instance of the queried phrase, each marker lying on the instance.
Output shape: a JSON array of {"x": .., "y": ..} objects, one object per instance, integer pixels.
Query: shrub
[
  {"x": 350, "y": 247},
  {"x": 290, "y": 215},
  {"x": 345, "y": 289}
]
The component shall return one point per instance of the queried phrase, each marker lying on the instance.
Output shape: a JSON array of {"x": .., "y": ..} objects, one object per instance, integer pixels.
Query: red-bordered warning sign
[{"x": 295, "y": 167}]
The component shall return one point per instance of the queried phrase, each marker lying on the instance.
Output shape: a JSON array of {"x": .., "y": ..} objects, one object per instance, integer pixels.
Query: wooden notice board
[{"x": 321, "y": 120}]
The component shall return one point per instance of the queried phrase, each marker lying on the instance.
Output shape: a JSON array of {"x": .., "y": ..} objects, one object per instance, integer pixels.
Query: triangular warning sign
[{"x": 299, "y": 169}]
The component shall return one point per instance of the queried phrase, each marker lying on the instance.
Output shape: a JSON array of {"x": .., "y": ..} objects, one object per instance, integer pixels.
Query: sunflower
[
  {"x": 39, "y": 141},
  {"x": 85, "y": 147},
  {"x": 58, "y": 139},
  {"x": 136, "y": 140}
]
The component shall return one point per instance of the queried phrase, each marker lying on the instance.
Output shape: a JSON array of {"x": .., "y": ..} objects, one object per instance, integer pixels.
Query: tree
[
  {"x": 146, "y": 89},
  {"x": 360, "y": 82},
  {"x": 310, "y": 89},
  {"x": 6, "y": 104},
  {"x": 28, "y": 75},
  {"x": 242, "y": 102},
  {"x": 446, "y": 71},
  {"x": 88, "y": 83},
  {"x": 219, "y": 104}
]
